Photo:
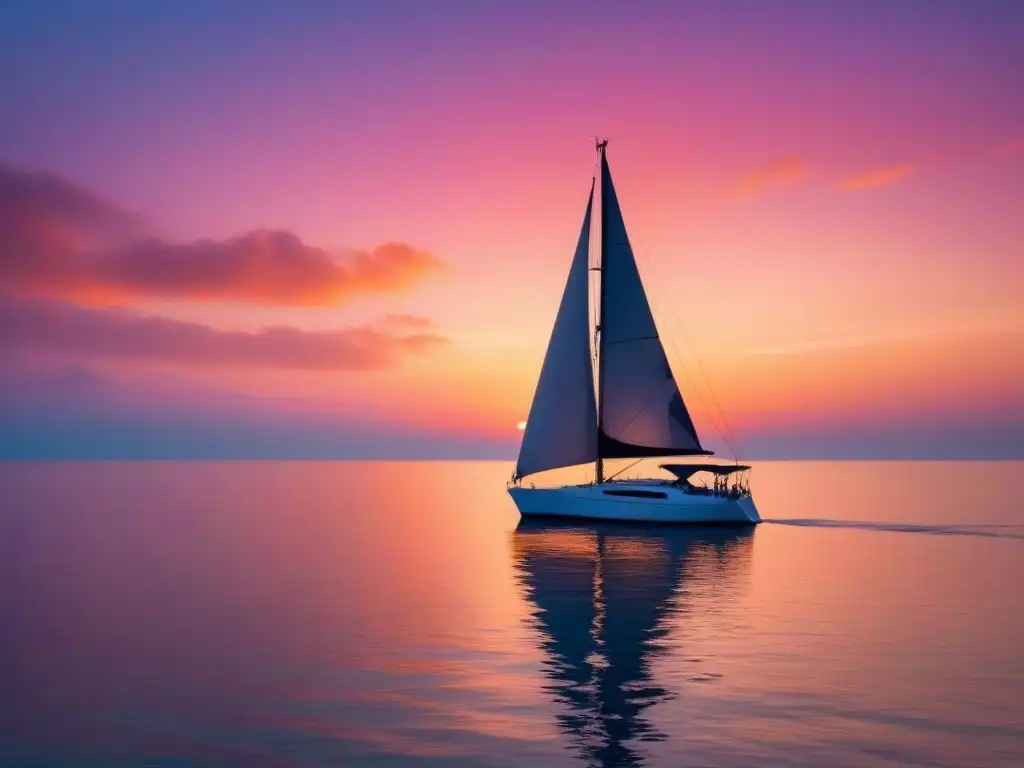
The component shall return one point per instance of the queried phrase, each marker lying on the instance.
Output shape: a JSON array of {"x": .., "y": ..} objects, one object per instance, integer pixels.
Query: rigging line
[
  {"x": 717, "y": 421},
  {"x": 721, "y": 423},
  {"x": 651, "y": 398},
  {"x": 686, "y": 372},
  {"x": 628, "y": 466},
  {"x": 700, "y": 396},
  {"x": 728, "y": 436}
]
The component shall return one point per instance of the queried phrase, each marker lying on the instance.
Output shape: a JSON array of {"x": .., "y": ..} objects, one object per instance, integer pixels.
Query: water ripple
[{"x": 951, "y": 529}]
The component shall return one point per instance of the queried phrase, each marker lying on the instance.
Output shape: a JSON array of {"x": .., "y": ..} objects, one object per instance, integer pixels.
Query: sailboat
[{"x": 636, "y": 410}]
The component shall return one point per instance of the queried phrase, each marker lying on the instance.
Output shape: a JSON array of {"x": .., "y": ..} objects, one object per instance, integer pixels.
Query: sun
[{"x": 521, "y": 426}]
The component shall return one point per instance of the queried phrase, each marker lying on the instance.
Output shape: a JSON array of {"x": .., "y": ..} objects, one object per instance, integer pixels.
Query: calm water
[{"x": 265, "y": 614}]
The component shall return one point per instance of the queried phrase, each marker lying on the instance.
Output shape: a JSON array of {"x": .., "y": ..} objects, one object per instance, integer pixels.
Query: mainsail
[
  {"x": 561, "y": 429},
  {"x": 641, "y": 409}
]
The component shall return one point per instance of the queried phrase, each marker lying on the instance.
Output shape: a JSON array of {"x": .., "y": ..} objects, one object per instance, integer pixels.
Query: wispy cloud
[
  {"x": 783, "y": 172},
  {"x": 117, "y": 333},
  {"x": 59, "y": 240},
  {"x": 879, "y": 177},
  {"x": 404, "y": 322}
]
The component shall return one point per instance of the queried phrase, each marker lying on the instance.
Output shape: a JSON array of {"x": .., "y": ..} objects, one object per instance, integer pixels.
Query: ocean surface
[{"x": 398, "y": 614}]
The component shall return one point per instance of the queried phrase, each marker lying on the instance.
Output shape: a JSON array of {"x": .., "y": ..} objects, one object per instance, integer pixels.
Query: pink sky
[{"x": 825, "y": 207}]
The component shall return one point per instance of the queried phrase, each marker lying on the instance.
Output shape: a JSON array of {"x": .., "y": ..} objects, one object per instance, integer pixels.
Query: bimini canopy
[{"x": 685, "y": 471}]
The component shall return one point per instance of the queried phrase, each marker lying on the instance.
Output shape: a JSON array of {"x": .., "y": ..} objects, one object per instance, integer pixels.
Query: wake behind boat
[{"x": 638, "y": 411}]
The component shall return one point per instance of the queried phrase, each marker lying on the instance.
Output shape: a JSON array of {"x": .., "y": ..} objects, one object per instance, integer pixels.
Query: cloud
[
  {"x": 266, "y": 267},
  {"x": 59, "y": 240},
  {"x": 38, "y": 199},
  {"x": 879, "y": 177},
  {"x": 405, "y": 321},
  {"x": 784, "y": 172},
  {"x": 118, "y": 333}
]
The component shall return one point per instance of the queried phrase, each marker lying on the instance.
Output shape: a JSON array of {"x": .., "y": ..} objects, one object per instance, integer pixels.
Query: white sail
[
  {"x": 642, "y": 410},
  {"x": 561, "y": 429}
]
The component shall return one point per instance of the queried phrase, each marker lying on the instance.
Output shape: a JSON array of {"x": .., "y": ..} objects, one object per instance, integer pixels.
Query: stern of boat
[{"x": 746, "y": 504}]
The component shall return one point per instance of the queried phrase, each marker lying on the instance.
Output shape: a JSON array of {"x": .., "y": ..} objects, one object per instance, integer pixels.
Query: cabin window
[{"x": 640, "y": 494}]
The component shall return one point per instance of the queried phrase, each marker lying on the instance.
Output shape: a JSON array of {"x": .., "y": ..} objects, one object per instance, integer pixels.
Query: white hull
[{"x": 646, "y": 502}]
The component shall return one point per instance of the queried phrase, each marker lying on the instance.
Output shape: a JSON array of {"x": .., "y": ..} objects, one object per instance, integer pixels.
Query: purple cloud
[
  {"x": 118, "y": 333},
  {"x": 58, "y": 240}
]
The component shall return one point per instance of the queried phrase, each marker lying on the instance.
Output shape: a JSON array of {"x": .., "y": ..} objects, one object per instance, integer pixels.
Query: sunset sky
[{"x": 304, "y": 229}]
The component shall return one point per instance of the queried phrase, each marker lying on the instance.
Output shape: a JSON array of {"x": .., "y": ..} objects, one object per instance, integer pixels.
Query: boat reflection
[{"x": 604, "y": 597}]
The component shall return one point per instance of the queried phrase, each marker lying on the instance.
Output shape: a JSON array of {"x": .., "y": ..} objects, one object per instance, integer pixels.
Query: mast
[{"x": 599, "y": 467}]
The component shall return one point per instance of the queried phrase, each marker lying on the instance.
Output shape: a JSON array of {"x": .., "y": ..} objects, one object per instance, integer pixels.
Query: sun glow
[{"x": 521, "y": 426}]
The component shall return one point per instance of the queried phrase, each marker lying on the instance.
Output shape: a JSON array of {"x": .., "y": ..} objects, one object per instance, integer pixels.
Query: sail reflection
[{"x": 604, "y": 597}]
